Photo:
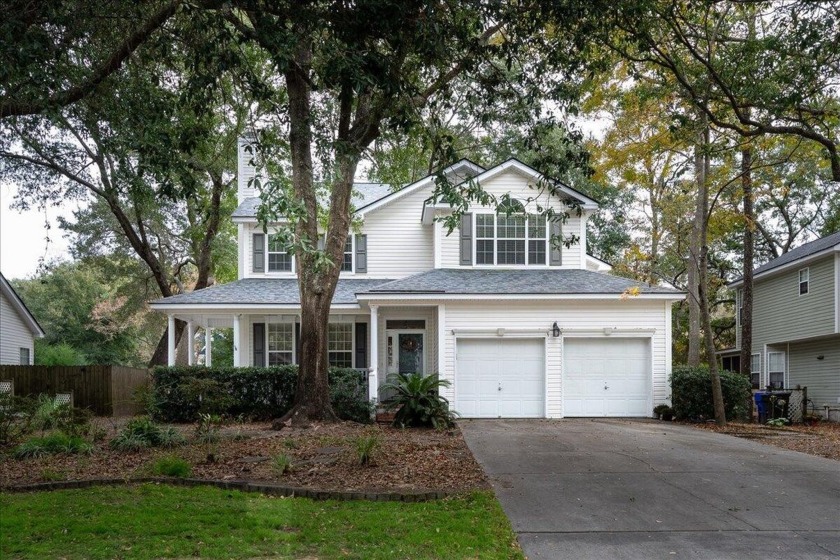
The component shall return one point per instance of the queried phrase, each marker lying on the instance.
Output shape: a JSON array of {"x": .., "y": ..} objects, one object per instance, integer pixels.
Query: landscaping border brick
[{"x": 241, "y": 485}]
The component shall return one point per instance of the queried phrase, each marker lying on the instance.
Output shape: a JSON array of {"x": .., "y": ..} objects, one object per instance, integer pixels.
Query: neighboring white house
[
  {"x": 18, "y": 328},
  {"x": 520, "y": 328}
]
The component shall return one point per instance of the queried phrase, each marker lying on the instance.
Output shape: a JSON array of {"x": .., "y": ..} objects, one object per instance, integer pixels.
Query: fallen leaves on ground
[
  {"x": 322, "y": 456},
  {"x": 821, "y": 439}
]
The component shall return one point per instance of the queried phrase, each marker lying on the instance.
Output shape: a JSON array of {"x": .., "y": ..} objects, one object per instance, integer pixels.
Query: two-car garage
[{"x": 599, "y": 376}]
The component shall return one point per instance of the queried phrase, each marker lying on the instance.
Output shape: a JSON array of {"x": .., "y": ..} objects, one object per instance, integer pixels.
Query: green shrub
[
  {"x": 691, "y": 394},
  {"x": 349, "y": 396},
  {"x": 418, "y": 402},
  {"x": 366, "y": 446},
  {"x": 52, "y": 444},
  {"x": 16, "y": 418},
  {"x": 61, "y": 354},
  {"x": 143, "y": 432},
  {"x": 180, "y": 394},
  {"x": 171, "y": 466}
]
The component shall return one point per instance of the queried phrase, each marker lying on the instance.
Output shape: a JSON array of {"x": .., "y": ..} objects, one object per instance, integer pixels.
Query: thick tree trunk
[
  {"x": 747, "y": 290},
  {"x": 161, "y": 355}
]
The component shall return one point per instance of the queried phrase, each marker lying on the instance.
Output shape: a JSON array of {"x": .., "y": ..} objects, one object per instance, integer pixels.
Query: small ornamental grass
[
  {"x": 281, "y": 464},
  {"x": 141, "y": 433},
  {"x": 170, "y": 465},
  {"x": 52, "y": 444},
  {"x": 366, "y": 447}
]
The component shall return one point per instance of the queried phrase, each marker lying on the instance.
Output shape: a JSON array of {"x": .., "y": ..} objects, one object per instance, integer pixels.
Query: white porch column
[
  {"x": 208, "y": 346},
  {"x": 441, "y": 340},
  {"x": 170, "y": 340},
  {"x": 190, "y": 343},
  {"x": 373, "y": 380},
  {"x": 237, "y": 355}
]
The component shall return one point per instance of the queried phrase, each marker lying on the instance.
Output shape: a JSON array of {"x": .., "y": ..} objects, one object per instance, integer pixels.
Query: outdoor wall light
[
  {"x": 555, "y": 330},
  {"x": 821, "y": 357}
]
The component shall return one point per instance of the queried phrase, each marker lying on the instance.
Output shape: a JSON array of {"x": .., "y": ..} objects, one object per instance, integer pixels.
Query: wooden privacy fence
[{"x": 105, "y": 390}]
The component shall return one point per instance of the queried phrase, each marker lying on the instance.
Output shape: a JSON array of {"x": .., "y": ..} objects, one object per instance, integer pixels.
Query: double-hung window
[
  {"x": 776, "y": 369},
  {"x": 278, "y": 259},
  {"x": 755, "y": 370},
  {"x": 804, "y": 281},
  {"x": 281, "y": 343},
  {"x": 340, "y": 344},
  {"x": 510, "y": 240},
  {"x": 347, "y": 262},
  {"x": 24, "y": 356}
]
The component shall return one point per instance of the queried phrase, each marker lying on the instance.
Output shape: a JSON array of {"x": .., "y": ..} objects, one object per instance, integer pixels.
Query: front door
[{"x": 404, "y": 351}]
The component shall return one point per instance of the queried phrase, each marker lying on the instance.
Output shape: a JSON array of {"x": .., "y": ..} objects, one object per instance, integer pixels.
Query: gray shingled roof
[
  {"x": 541, "y": 281},
  {"x": 363, "y": 195},
  {"x": 267, "y": 291},
  {"x": 801, "y": 252}
]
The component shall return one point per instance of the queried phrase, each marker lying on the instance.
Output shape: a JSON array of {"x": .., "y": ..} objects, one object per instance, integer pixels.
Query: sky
[{"x": 23, "y": 235}]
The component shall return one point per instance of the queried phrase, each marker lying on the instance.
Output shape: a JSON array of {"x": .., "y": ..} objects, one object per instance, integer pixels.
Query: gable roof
[
  {"x": 18, "y": 305},
  {"x": 451, "y": 281},
  {"x": 801, "y": 253}
]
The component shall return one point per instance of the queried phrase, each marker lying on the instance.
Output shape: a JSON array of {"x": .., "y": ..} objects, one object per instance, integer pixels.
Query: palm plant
[{"x": 417, "y": 400}]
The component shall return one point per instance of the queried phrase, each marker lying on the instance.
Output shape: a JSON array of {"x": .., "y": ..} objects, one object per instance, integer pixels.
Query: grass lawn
[{"x": 159, "y": 521}]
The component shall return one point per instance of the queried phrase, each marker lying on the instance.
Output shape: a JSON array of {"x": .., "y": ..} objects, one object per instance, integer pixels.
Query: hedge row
[
  {"x": 691, "y": 393},
  {"x": 180, "y": 394}
]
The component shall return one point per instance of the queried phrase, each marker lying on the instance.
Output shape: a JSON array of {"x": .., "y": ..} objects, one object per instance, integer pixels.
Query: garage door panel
[
  {"x": 500, "y": 378},
  {"x": 606, "y": 377}
]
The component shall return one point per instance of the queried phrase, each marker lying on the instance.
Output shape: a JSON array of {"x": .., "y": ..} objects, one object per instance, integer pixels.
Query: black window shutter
[
  {"x": 259, "y": 344},
  {"x": 361, "y": 253},
  {"x": 361, "y": 345},
  {"x": 466, "y": 240},
  {"x": 555, "y": 242},
  {"x": 259, "y": 252}
]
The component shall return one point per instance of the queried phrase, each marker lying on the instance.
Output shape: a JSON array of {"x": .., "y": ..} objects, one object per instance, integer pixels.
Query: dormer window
[
  {"x": 510, "y": 240},
  {"x": 804, "y": 281}
]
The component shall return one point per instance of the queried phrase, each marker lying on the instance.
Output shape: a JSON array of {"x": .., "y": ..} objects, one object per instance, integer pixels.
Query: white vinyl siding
[
  {"x": 245, "y": 172},
  {"x": 816, "y": 365},
  {"x": 578, "y": 318},
  {"x": 14, "y": 334}
]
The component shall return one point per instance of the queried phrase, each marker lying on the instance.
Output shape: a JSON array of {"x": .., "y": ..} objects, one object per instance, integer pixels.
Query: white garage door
[
  {"x": 606, "y": 377},
  {"x": 500, "y": 378}
]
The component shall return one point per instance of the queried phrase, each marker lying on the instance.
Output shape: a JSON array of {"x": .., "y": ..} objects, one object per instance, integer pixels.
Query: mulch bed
[
  {"x": 323, "y": 457},
  {"x": 821, "y": 439}
]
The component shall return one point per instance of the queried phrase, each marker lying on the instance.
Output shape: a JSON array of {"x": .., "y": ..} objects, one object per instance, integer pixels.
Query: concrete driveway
[{"x": 617, "y": 489}]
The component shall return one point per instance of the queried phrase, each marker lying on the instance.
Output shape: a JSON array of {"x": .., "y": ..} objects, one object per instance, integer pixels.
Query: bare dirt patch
[
  {"x": 822, "y": 439},
  {"x": 322, "y": 456}
]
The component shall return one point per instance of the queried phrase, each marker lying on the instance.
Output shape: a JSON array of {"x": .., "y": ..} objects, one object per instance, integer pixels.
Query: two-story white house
[{"x": 519, "y": 327}]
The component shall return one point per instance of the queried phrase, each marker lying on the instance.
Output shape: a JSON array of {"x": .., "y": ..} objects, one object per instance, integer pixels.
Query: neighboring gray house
[
  {"x": 796, "y": 321},
  {"x": 18, "y": 328}
]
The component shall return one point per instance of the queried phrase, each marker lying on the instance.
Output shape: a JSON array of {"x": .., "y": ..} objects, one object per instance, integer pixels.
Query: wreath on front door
[{"x": 409, "y": 344}]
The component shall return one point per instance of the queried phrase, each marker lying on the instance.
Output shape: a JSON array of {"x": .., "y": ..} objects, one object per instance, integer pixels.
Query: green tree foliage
[{"x": 85, "y": 317}]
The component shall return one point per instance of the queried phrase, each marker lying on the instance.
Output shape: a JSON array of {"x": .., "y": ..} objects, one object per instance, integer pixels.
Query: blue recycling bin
[{"x": 761, "y": 405}]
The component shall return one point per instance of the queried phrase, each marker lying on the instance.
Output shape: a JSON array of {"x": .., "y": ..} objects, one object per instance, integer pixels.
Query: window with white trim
[
  {"x": 510, "y": 240},
  {"x": 776, "y": 369},
  {"x": 347, "y": 262},
  {"x": 739, "y": 298},
  {"x": 755, "y": 370},
  {"x": 340, "y": 344},
  {"x": 804, "y": 281},
  {"x": 281, "y": 343},
  {"x": 278, "y": 259}
]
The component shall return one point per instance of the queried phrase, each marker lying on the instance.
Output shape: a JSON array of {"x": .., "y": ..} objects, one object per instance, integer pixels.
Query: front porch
[{"x": 381, "y": 340}]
